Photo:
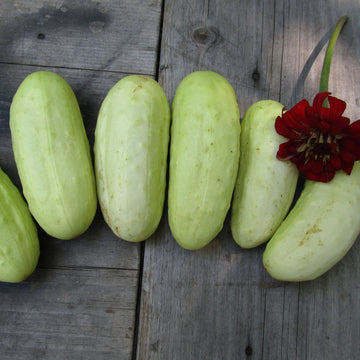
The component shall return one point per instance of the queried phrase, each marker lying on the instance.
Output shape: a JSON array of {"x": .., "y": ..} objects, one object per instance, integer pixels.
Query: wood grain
[
  {"x": 69, "y": 313},
  {"x": 218, "y": 302},
  {"x": 99, "y": 35},
  {"x": 81, "y": 302}
]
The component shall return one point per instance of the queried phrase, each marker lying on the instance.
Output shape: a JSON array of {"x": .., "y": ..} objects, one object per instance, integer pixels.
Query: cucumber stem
[{"x": 324, "y": 80}]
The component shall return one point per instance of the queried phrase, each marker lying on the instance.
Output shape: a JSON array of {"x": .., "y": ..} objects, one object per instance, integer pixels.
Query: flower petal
[
  {"x": 321, "y": 140},
  {"x": 296, "y": 116},
  {"x": 337, "y": 107},
  {"x": 347, "y": 167},
  {"x": 317, "y": 166},
  {"x": 335, "y": 162},
  {"x": 286, "y": 151},
  {"x": 283, "y": 129},
  {"x": 339, "y": 126},
  {"x": 321, "y": 177},
  {"x": 324, "y": 126},
  {"x": 319, "y": 100},
  {"x": 312, "y": 117},
  {"x": 347, "y": 156},
  {"x": 354, "y": 129}
]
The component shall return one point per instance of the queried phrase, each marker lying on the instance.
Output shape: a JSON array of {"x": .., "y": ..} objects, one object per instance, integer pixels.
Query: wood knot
[
  {"x": 248, "y": 350},
  {"x": 204, "y": 36},
  {"x": 255, "y": 75}
]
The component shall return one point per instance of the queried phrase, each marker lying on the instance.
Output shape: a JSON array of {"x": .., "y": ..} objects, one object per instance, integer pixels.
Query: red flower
[{"x": 321, "y": 140}]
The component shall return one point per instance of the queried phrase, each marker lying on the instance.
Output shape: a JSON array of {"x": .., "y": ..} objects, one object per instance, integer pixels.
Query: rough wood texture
[
  {"x": 69, "y": 313},
  {"x": 81, "y": 302},
  {"x": 101, "y": 35},
  {"x": 218, "y": 302}
]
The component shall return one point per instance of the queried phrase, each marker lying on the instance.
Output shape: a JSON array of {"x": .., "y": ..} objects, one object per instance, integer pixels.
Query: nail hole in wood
[
  {"x": 248, "y": 350},
  {"x": 255, "y": 75},
  {"x": 41, "y": 36}
]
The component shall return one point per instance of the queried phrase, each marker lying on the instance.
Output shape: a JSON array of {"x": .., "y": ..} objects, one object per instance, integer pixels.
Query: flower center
[{"x": 319, "y": 146}]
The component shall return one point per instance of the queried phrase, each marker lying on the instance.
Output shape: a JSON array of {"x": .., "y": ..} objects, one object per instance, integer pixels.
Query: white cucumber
[
  {"x": 265, "y": 186},
  {"x": 19, "y": 242},
  {"x": 52, "y": 155},
  {"x": 131, "y": 146},
  {"x": 319, "y": 230},
  {"x": 204, "y": 156}
]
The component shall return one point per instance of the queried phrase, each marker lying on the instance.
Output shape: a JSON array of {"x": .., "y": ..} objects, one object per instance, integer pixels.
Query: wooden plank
[
  {"x": 204, "y": 304},
  {"x": 218, "y": 302},
  {"x": 101, "y": 35},
  {"x": 69, "y": 313},
  {"x": 197, "y": 36},
  {"x": 81, "y": 301},
  {"x": 330, "y": 307}
]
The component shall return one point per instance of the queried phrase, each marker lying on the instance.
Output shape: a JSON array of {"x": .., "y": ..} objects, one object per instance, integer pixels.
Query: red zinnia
[{"x": 321, "y": 140}]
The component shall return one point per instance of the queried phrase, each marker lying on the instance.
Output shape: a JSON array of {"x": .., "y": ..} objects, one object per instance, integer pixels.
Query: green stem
[{"x": 324, "y": 80}]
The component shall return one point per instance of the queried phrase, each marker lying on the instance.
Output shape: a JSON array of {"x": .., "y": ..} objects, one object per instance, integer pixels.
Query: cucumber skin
[
  {"x": 319, "y": 230},
  {"x": 52, "y": 155},
  {"x": 19, "y": 242},
  {"x": 204, "y": 157},
  {"x": 265, "y": 186},
  {"x": 131, "y": 148}
]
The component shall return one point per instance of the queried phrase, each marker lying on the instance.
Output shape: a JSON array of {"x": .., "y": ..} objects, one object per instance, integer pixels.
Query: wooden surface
[{"x": 99, "y": 297}]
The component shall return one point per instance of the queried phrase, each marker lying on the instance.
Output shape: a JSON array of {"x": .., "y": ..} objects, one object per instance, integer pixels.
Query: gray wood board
[
  {"x": 99, "y": 35},
  {"x": 69, "y": 313},
  {"x": 218, "y": 302},
  {"x": 81, "y": 301}
]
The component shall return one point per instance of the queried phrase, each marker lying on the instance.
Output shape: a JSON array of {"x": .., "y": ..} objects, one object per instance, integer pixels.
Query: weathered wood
[
  {"x": 69, "y": 313},
  {"x": 100, "y": 35},
  {"x": 218, "y": 302},
  {"x": 81, "y": 302},
  {"x": 215, "y": 303}
]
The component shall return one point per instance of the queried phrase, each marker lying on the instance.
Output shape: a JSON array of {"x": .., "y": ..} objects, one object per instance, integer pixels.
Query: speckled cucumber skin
[
  {"x": 131, "y": 147},
  {"x": 19, "y": 243},
  {"x": 319, "y": 230},
  {"x": 265, "y": 186},
  {"x": 204, "y": 157},
  {"x": 52, "y": 155}
]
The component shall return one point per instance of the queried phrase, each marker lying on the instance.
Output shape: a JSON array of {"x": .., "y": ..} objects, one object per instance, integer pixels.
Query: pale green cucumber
[
  {"x": 319, "y": 230},
  {"x": 131, "y": 146},
  {"x": 52, "y": 155},
  {"x": 204, "y": 157},
  {"x": 19, "y": 243},
  {"x": 265, "y": 186}
]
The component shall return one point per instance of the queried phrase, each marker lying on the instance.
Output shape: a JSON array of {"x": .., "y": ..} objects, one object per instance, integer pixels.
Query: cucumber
[
  {"x": 265, "y": 186},
  {"x": 52, "y": 155},
  {"x": 131, "y": 147},
  {"x": 204, "y": 157},
  {"x": 19, "y": 242},
  {"x": 319, "y": 230}
]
